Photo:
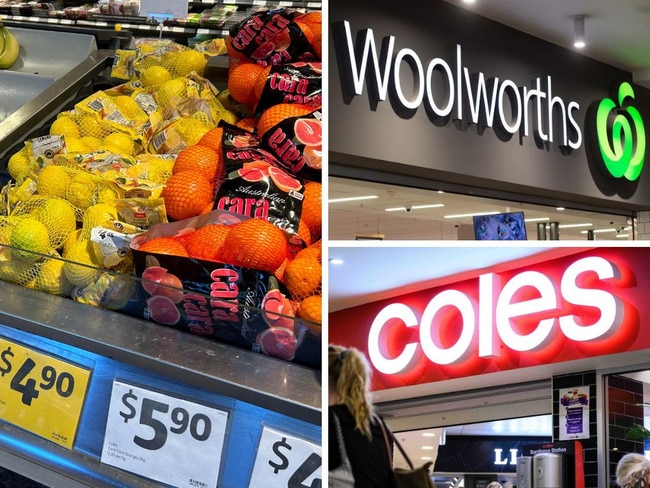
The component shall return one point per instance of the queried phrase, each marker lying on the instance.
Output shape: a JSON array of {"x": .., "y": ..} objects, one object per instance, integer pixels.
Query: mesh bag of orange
[
  {"x": 292, "y": 133},
  {"x": 259, "y": 88},
  {"x": 275, "y": 36},
  {"x": 213, "y": 275},
  {"x": 255, "y": 185}
]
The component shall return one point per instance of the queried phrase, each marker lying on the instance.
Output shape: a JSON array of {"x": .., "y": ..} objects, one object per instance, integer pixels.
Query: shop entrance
[
  {"x": 361, "y": 210},
  {"x": 473, "y": 455}
]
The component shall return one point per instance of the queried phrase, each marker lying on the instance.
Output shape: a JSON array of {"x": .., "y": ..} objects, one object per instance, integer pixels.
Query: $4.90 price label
[
  {"x": 41, "y": 394},
  {"x": 164, "y": 438},
  {"x": 287, "y": 461}
]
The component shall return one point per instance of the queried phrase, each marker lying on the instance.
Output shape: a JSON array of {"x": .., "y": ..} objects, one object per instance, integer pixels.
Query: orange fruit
[
  {"x": 234, "y": 56},
  {"x": 313, "y": 21},
  {"x": 312, "y": 208},
  {"x": 279, "y": 273},
  {"x": 207, "y": 242},
  {"x": 197, "y": 158},
  {"x": 314, "y": 251},
  {"x": 241, "y": 83},
  {"x": 257, "y": 244},
  {"x": 279, "y": 112},
  {"x": 248, "y": 123},
  {"x": 311, "y": 308},
  {"x": 261, "y": 83},
  {"x": 187, "y": 194},
  {"x": 303, "y": 276},
  {"x": 213, "y": 140},
  {"x": 163, "y": 245},
  {"x": 304, "y": 232}
]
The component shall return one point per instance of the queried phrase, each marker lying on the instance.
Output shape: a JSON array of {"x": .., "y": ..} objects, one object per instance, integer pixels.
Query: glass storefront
[{"x": 361, "y": 210}]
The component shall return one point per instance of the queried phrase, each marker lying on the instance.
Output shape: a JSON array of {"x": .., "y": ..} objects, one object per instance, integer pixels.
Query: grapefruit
[
  {"x": 283, "y": 180},
  {"x": 162, "y": 310},
  {"x": 157, "y": 281},
  {"x": 278, "y": 342},
  {"x": 308, "y": 131}
]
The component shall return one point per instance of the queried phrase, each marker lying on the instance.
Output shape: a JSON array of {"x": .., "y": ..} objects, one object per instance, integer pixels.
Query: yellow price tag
[{"x": 40, "y": 393}]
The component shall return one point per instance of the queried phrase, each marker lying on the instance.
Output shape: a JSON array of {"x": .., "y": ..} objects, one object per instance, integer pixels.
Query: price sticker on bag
[
  {"x": 40, "y": 393},
  {"x": 284, "y": 460},
  {"x": 163, "y": 437}
]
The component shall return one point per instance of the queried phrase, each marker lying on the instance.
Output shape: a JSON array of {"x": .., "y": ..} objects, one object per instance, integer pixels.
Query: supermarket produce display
[
  {"x": 166, "y": 171},
  {"x": 189, "y": 213}
]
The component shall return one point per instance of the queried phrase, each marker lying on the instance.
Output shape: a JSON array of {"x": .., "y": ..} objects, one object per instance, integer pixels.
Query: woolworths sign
[{"x": 447, "y": 89}]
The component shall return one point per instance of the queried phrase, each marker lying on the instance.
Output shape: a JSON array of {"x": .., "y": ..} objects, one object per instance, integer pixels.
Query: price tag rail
[{"x": 254, "y": 388}]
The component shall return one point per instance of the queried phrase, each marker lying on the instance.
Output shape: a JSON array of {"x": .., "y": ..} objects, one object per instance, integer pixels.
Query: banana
[
  {"x": 10, "y": 49},
  {"x": 3, "y": 44}
]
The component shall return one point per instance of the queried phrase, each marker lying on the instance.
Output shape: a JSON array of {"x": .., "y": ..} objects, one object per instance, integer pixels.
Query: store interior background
[
  {"x": 389, "y": 212},
  {"x": 616, "y": 34}
]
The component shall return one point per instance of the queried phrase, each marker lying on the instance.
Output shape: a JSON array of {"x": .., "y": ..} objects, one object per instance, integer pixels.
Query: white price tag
[
  {"x": 66, "y": 21},
  {"x": 286, "y": 460},
  {"x": 164, "y": 438},
  {"x": 18, "y": 17},
  {"x": 285, "y": 4},
  {"x": 101, "y": 24},
  {"x": 52, "y": 21},
  {"x": 178, "y": 29}
]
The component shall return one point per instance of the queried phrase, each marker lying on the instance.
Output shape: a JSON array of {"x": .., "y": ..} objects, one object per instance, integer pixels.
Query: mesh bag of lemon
[{"x": 155, "y": 61}]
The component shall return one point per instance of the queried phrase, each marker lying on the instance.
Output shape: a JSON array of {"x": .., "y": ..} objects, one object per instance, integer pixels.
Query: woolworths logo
[{"x": 620, "y": 135}]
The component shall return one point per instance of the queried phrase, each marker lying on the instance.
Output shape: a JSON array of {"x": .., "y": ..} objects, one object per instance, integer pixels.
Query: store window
[
  {"x": 363, "y": 210},
  {"x": 473, "y": 455}
]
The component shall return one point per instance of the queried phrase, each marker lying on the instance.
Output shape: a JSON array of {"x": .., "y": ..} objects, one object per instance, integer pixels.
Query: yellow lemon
[
  {"x": 52, "y": 279},
  {"x": 170, "y": 91},
  {"x": 120, "y": 143},
  {"x": 19, "y": 166},
  {"x": 155, "y": 75},
  {"x": 90, "y": 125},
  {"x": 60, "y": 219},
  {"x": 15, "y": 271},
  {"x": 52, "y": 181},
  {"x": 70, "y": 241},
  {"x": 80, "y": 191},
  {"x": 29, "y": 239},
  {"x": 75, "y": 145},
  {"x": 161, "y": 170},
  {"x": 107, "y": 194},
  {"x": 187, "y": 61},
  {"x": 82, "y": 266},
  {"x": 130, "y": 109},
  {"x": 65, "y": 126},
  {"x": 93, "y": 143},
  {"x": 98, "y": 215}
]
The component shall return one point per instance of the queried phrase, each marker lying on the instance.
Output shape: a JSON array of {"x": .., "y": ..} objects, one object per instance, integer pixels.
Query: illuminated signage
[
  {"x": 620, "y": 134},
  {"x": 492, "y": 102},
  {"x": 530, "y": 298},
  {"x": 614, "y": 131}
]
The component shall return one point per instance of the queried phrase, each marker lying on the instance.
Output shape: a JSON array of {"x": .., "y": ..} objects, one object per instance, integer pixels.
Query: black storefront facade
[{"x": 433, "y": 96}]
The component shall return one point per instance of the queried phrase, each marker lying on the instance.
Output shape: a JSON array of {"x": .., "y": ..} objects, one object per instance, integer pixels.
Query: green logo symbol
[{"x": 621, "y": 135}]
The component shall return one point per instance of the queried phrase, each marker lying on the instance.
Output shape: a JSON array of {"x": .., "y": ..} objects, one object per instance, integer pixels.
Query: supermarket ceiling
[{"x": 616, "y": 31}]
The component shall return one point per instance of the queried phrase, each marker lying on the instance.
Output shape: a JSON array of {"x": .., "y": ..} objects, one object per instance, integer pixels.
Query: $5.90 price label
[
  {"x": 41, "y": 394},
  {"x": 164, "y": 438},
  {"x": 287, "y": 461}
]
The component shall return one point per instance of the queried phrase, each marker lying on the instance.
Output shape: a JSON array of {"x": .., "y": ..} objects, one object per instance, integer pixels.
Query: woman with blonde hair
[
  {"x": 352, "y": 416},
  {"x": 633, "y": 471}
]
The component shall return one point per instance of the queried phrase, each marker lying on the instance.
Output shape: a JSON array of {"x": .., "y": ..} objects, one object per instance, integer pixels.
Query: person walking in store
[
  {"x": 633, "y": 471},
  {"x": 352, "y": 416}
]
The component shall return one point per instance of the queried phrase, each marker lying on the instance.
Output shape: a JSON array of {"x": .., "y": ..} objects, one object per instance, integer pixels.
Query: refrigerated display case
[
  {"x": 92, "y": 397},
  {"x": 151, "y": 401}
]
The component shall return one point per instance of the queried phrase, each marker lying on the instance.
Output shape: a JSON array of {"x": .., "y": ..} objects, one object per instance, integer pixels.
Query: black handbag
[{"x": 407, "y": 478}]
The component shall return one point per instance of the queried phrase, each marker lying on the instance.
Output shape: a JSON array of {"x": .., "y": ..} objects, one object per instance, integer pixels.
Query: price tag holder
[
  {"x": 163, "y": 437},
  {"x": 286, "y": 460},
  {"x": 40, "y": 393}
]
